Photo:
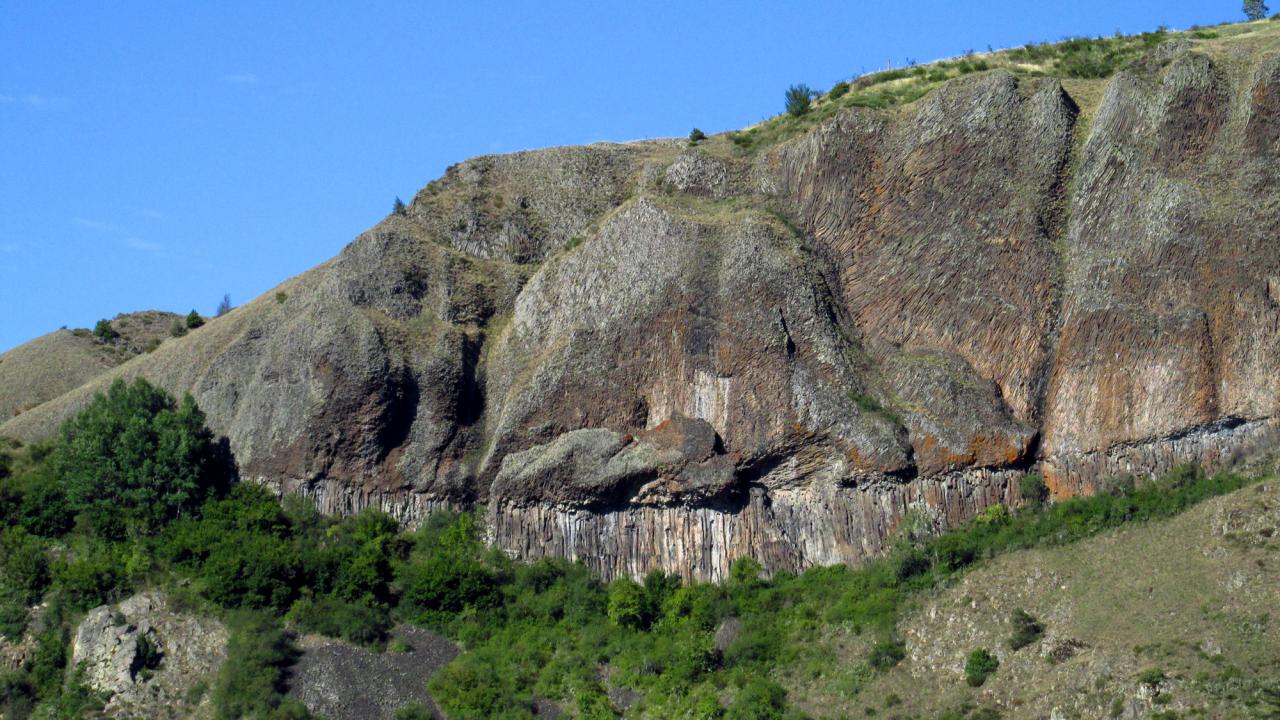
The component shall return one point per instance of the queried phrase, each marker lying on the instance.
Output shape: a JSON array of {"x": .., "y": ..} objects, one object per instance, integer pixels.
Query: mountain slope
[{"x": 774, "y": 343}]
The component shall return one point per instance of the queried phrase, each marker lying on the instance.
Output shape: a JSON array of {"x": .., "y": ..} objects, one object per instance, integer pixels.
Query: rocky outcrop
[
  {"x": 148, "y": 658},
  {"x": 655, "y": 356}
]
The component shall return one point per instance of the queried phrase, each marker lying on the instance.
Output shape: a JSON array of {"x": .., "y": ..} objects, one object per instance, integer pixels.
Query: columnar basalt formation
[{"x": 656, "y": 356}]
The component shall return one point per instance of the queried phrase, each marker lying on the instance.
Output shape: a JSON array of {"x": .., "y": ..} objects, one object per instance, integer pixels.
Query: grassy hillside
[{"x": 53, "y": 364}]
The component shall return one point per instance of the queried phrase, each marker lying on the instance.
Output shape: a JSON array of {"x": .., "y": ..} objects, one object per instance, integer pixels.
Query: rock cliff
[{"x": 656, "y": 356}]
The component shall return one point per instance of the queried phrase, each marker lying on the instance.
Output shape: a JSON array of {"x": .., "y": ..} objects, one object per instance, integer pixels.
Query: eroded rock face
[
  {"x": 651, "y": 356},
  {"x": 147, "y": 658}
]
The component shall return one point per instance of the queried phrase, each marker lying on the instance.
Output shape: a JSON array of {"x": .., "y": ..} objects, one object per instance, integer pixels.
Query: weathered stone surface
[
  {"x": 655, "y": 356},
  {"x": 191, "y": 649},
  {"x": 340, "y": 681}
]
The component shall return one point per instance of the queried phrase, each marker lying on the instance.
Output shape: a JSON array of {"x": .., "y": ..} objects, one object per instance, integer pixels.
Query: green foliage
[
  {"x": 996, "y": 514},
  {"x": 447, "y": 574},
  {"x": 798, "y": 100},
  {"x": 134, "y": 460},
  {"x": 887, "y": 653},
  {"x": 1151, "y": 677},
  {"x": 1032, "y": 489},
  {"x": 177, "y": 328},
  {"x": 281, "y": 296},
  {"x": 251, "y": 681},
  {"x": 1255, "y": 9},
  {"x": 759, "y": 699},
  {"x": 104, "y": 332},
  {"x": 1026, "y": 629},
  {"x": 398, "y": 208},
  {"x": 979, "y": 666},
  {"x": 838, "y": 90},
  {"x": 413, "y": 711},
  {"x": 696, "y": 136},
  {"x": 628, "y": 606},
  {"x": 745, "y": 571},
  {"x": 194, "y": 320}
]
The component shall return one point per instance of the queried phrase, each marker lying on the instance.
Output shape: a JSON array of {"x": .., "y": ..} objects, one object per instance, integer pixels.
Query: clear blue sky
[{"x": 159, "y": 155}]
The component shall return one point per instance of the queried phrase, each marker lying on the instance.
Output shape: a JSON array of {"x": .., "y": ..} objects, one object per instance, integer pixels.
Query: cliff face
[{"x": 650, "y": 356}]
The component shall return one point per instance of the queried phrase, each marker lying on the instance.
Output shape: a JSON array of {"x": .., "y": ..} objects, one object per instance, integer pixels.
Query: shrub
[
  {"x": 838, "y": 90},
  {"x": 1151, "y": 677},
  {"x": 413, "y": 711},
  {"x": 281, "y": 297},
  {"x": 151, "y": 345},
  {"x": 398, "y": 207},
  {"x": 887, "y": 653},
  {"x": 177, "y": 328},
  {"x": 1033, "y": 489},
  {"x": 757, "y": 700},
  {"x": 1026, "y": 629},
  {"x": 1255, "y": 9},
  {"x": 628, "y": 606},
  {"x": 250, "y": 683},
  {"x": 104, "y": 332},
  {"x": 134, "y": 460},
  {"x": 979, "y": 666},
  {"x": 995, "y": 515},
  {"x": 696, "y": 136},
  {"x": 798, "y": 100},
  {"x": 194, "y": 320},
  {"x": 224, "y": 305},
  {"x": 745, "y": 571},
  {"x": 356, "y": 622}
]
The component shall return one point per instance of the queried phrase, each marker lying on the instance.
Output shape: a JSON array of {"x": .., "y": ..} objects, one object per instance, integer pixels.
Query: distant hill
[{"x": 53, "y": 364}]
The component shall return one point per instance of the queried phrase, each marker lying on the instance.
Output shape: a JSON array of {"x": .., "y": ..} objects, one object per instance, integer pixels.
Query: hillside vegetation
[{"x": 830, "y": 642}]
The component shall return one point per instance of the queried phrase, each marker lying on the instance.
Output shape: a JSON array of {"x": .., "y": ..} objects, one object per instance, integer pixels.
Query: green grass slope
[{"x": 1169, "y": 619}]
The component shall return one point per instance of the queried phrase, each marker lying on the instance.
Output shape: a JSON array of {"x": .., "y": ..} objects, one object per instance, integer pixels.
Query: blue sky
[{"x": 156, "y": 156}]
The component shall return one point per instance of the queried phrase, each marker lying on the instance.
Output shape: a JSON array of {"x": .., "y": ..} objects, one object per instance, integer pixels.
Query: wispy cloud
[
  {"x": 154, "y": 215},
  {"x": 241, "y": 79},
  {"x": 144, "y": 245},
  {"x": 96, "y": 225},
  {"x": 31, "y": 100}
]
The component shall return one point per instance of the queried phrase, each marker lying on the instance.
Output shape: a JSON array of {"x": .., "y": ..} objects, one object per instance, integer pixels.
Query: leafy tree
[
  {"x": 194, "y": 320},
  {"x": 1255, "y": 9},
  {"x": 134, "y": 459},
  {"x": 104, "y": 332},
  {"x": 798, "y": 99},
  {"x": 224, "y": 306},
  {"x": 251, "y": 681},
  {"x": 628, "y": 605}
]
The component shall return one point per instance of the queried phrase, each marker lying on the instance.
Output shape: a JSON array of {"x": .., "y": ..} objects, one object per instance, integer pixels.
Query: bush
[
  {"x": 628, "y": 605},
  {"x": 177, "y": 328},
  {"x": 1032, "y": 489},
  {"x": 757, "y": 700},
  {"x": 104, "y": 332},
  {"x": 134, "y": 460},
  {"x": 1026, "y": 629},
  {"x": 398, "y": 208},
  {"x": 887, "y": 653},
  {"x": 330, "y": 616},
  {"x": 413, "y": 711},
  {"x": 1151, "y": 677},
  {"x": 979, "y": 666},
  {"x": 696, "y": 136},
  {"x": 251, "y": 681},
  {"x": 798, "y": 100},
  {"x": 281, "y": 296},
  {"x": 996, "y": 514},
  {"x": 194, "y": 320},
  {"x": 838, "y": 90}
]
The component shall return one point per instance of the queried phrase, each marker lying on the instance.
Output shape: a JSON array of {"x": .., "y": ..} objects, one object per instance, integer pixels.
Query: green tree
[
  {"x": 628, "y": 604},
  {"x": 798, "y": 100},
  {"x": 1255, "y": 9},
  {"x": 398, "y": 208},
  {"x": 134, "y": 459},
  {"x": 104, "y": 332},
  {"x": 696, "y": 136},
  {"x": 194, "y": 320}
]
